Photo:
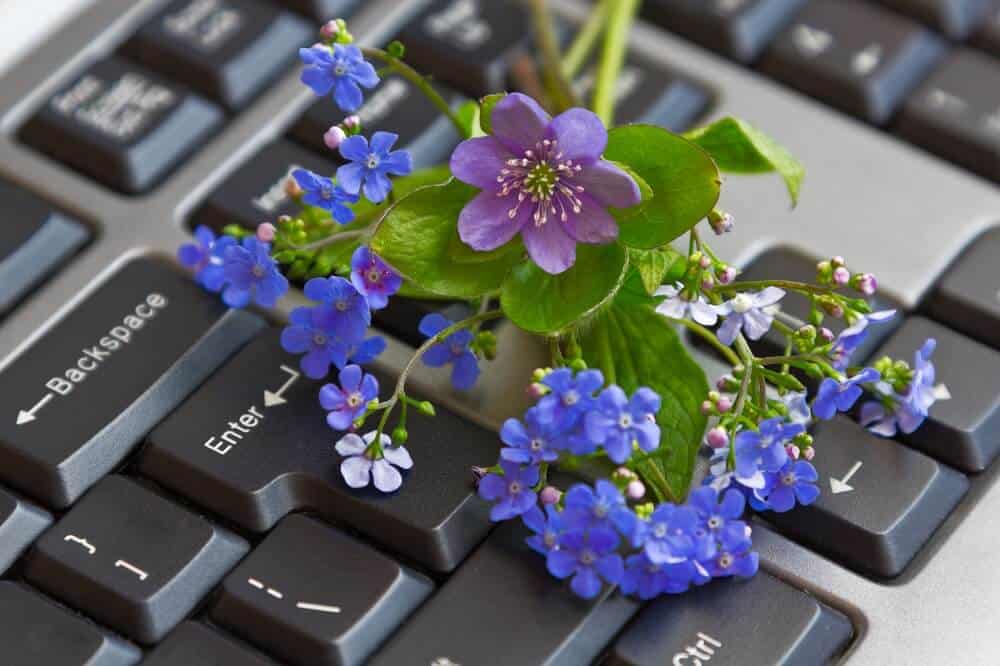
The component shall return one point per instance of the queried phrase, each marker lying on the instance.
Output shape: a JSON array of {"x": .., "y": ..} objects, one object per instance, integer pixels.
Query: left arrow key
[{"x": 75, "y": 403}]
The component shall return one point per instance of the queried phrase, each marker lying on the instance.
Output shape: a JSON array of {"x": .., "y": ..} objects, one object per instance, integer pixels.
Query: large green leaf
[
  {"x": 418, "y": 235},
  {"x": 738, "y": 147},
  {"x": 542, "y": 303},
  {"x": 658, "y": 266},
  {"x": 684, "y": 180},
  {"x": 633, "y": 346}
]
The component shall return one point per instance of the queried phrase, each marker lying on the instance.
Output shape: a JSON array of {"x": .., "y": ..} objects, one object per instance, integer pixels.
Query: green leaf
[
  {"x": 542, "y": 303},
  {"x": 658, "y": 266},
  {"x": 645, "y": 191},
  {"x": 468, "y": 116},
  {"x": 633, "y": 346},
  {"x": 738, "y": 147},
  {"x": 417, "y": 237},
  {"x": 684, "y": 180},
  {"x": 486, "y": 105}
]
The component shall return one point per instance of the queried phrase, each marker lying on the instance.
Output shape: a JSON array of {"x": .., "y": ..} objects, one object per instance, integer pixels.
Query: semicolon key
[
  {"x": 239, "y": 452},
  {"x": 75, "y": 402}
]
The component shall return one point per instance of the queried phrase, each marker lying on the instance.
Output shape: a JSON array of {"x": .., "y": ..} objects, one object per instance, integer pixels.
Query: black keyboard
[{"x": 157, "y": 506}]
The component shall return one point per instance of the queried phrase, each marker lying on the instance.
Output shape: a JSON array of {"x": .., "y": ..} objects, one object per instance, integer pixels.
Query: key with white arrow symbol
[
  {"x": 29, "y": 415},
  {"x": 274, "y": 398},
  {"x": 839, "y": 486}
]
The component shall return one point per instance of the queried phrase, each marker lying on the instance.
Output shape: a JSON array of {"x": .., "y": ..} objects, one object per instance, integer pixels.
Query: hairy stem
[
  {"x": 331, "y": 239},
  {"x": 790, "y": 285},
  {"x": 559, "y": 89},
  {"x": 585, "y": 40},
  {"x": 612, "y": 58}
]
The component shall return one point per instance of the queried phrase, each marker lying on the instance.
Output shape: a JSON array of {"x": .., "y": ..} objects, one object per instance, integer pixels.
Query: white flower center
[
  {"x": 354, "y": 400},
  {"x": 341, "y": 305},
  {"x": 542, "y": 176},
  {"x": 570, "y": 398},
  {"x": 625, "y": 421},
  {"x": 372, "y": 161},
  {"x": 789, "y": 479},
  {"x": 319, "y": 339},
  {"x": 340, "y": 69},
  {"x": 536, "y": 444},
  {"x": 374, "y": 275},
  {"x": 514, "y": 487},
  {"x": 715, "y": 522},
  {"x": 587, "y": 557},
  {"x": 725, "y": 560},
  {"x": 258, "y": 270},
  {"x": 742, "y": 303},
  {"x": 660, "y": 531}
]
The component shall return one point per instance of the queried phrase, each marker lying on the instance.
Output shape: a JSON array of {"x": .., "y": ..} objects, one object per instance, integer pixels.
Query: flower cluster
[{"x": 243, "y": 270}]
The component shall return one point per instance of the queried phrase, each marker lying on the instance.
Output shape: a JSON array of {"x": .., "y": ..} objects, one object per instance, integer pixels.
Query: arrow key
[{"x": 881, "y": 501}]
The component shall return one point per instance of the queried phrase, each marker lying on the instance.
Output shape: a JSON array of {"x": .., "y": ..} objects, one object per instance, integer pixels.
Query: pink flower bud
[
  {"x": 724, "y": 382},
  {"x": 841, "y": 276},
  {"x": 334, "y": 137},
  {"x": 793, "y": 451},
  {"x": 708, "y": 283},
  {"x": 330, "y": 30},
  {"x": 866, "y": 284},
  {"x": 826, "y": 334},
  {"x": 707, "y": 407},
  {"x": 809, "y": 453},
  {"x": 550, "y": 495},
  {"x": 265, "y": 232},
  {"x": 721, "y": 224},
  {"x": 352, "y": 122},
  {"x": 536, "y": 390},
  {"x": 624, "y": 473},
  {"x": 705, "y": 261},
  {"x": 635, "y": 490},
  {"x": 717, "y": 438},
  {"x": 724, "y": 404},
  {"x": 838, "y": 261},
  {"x": 478, "y": 473},
  {"x": 726, "y": 275}
]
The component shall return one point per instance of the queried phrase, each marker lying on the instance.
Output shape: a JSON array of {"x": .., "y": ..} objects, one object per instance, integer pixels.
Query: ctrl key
[{"x": 713, "y": 625}]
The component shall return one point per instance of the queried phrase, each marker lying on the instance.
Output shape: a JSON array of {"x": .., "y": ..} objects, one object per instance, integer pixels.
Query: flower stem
[
  {"x": 420, "y": 81},
  {"x": 612, "y": 58},
  {"x": 331, "y": 239},
  {"x": 709, "y": 337},
  {"x": 791, "y": 285},
  {"x": 560, "y": 91},
  {"x": 585, "y": 40}
]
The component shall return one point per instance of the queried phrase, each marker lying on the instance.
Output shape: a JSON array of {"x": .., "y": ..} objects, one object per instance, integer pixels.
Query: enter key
[{"x": 880, "y": 501}]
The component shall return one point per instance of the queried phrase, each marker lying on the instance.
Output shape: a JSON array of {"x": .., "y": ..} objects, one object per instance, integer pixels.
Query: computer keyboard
[{"x": 168, "y": 489}]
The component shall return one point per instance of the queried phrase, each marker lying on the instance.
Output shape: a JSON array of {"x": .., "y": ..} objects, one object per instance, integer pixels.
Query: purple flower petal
[
  {"x": 549, "y": 246},
  {"x": 355, "y": 471},
  {"x": 398, "y": 456},
  {"x": 609, "y": 185},
  {"x": 519, "y": 122},
  {"x": 581, "y": 135},
  {"x": 585, "y": 583},
  {"x": 593, "y": 224},
  {"x": 386, "y": 477},
  {"x": 485, "y": 223},
  {"x": 478, "y": 162}
]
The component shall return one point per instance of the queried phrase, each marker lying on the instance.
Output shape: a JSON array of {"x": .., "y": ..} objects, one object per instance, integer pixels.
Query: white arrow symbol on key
[
  {"x": 27, "y": 416},
  {"x": 840, "y": 485},
  {"x": 273, "y": 398}
]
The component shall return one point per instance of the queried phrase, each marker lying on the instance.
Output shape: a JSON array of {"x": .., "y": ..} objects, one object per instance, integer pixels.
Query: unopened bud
[
  {"x": 726, "y": 275},
  {"x": 717, "y": 438},
  {"x": 550, "y": 495},
  {"x": 809, "y": 453},
  {"x": 399, "y": 435},
  {"x": 705, "y": 261},
  {"x": 478, "y": 473},
  {"x": 265, "y": 232},
  {"x": 352, "y": 122},
  {"x": 841, "y": 276},
  {"x": 330, "y": 30},
  {"x": 292, "y": 188},
  {"x": 724, "y": 404},
  {"x": 425, "y": 407},
  {"x": 635, "y": 490},
  {"x": 826, "y": 334},
  {"x": 707, "y": 407},
  {"x": 865, "y": 283},
  {"x": 624, "y": 474},
  {"x": 334, "y": 137},
  {"x": 793, "y": 451},
  {"x": 536, "y": 390},
  {"x": 837, "y": 261},
  {"x": 721, "y": 222},
  {"x": 708, "y": 283}
]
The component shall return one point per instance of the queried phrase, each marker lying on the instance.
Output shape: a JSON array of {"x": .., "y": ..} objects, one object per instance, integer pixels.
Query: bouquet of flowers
[{"x": 589, "y": 236}]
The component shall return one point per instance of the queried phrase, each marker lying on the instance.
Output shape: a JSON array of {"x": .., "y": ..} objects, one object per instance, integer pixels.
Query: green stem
[
  {"x": 556, "y": 352},
  {"x": 585, "y": 40},
  {"x": 612, "y": 58},
  {"x": 418, "y": 80},
  {"x": 791, "y": 285},
  {"x": 545, "y": 34},
  {"x": 709, "y": 337},
  {"x": 746, "y": 356},
  {"x": 331, "y": 239}
]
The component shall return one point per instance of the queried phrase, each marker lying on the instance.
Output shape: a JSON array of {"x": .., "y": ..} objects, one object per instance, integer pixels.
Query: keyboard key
[
  {"x": 132, "y": 559},
  {"x": 468, "y": 43},
  {"x": 36, "y": 632},
  {"x": 956, "y": 112},
  {"x": 954, "y": 18},
  {"x": 502, "y": 607},
  {"x": 86, "y": 392},
  {"x": 987, "y": 37},
  {"x": 968, "y": 296},
  {"x": 401, "y": 318},
  {"x": 21, "y": 522},
  {"x": 312, "y": 595},
  {"x": 195, "y": 644},
  {"x": 711, "y": 625},
  {"x": 122, "y": 126},
  {"x": 36, "y": 240},
  {"x": 322, "y": 10},
  {"x": 649, "y": 93},
  {"x": 858, "y": 57},
  {"x": 255, "y": 192},
  {"x": 226, "y": 50},
  {"x": 230, "y": 452},
  {"x": 880, "y": 502},
  {"x": 740, "y": 29},
  {"x": 394, "y": 106},
  {"x": 964, "y": 431}
]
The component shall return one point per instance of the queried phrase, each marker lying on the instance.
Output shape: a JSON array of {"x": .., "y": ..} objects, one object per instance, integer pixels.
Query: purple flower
[
  {"x": 252, "y": 275},
  {"x": 763, "y": 449},
  {"x": 373, "y": 277},
  {"x": 833, "y": 396},
  {"x": 348, "y": 401},
  {"x": 712, "y": 512},
  {"x": 369, "y": 166},
  {"x": 648, "y": 580},
  {"x": 570, "y": 398},
  {"x": 343, "y": 70},
  {"x": 528, "y": 443},
  {"x": 543, "y": 178},
  {"x": 677, "y": 306},
  {"x": 600, "y": 507},
  {"x": 619, "y": 421},
  {"x": 547, "y": 528},
  {"x": 363, "y": 463},
  {"x": 588, "y": 558},
  {"x": 204, "y": 257},
  {"x": 311, "y": 332},
  {"x": 910, "y": 409},
  {"x": 323, "y": 193},
  {"x": 513, "y": 491},
  {"x": 348, "y": 308},
  {"x": 672, "y": 536},
  {"x": 454, "y": 350},
  {"x": 852, "y": 337},
  {"x": 750, "y": 312},
  {"x": 365, "y": 351},
  {"x": 796, "y": 481},
  {"x": 734, "y": 557}
]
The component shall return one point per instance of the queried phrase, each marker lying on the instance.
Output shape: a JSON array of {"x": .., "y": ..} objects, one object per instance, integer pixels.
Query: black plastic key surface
[
  {"x": 853, "y": 55},
  {"x": 227, "y": 450},
  {"x": 35, "y": 241},
  {"x": 713, "y": 625},
  {"x": 468, "y": 43},
  {"x": 880, "y": 501},
  {"x": 21, "y": 522},
  {"x": 393, "y": 106},
  {"x": 502, "y": 607},
  {"x": 956, "y": 112},
  {"x": 255, "y": 192},
  {"x": 196, "y": 644},
  {"x": 987, "y": 37},
  {"x": 38, "y": 632},
  {"x": 968, "y": 296},
  {"x": 965, "y": 430},
  {"x": 122, "y": 125},
  {"x": 79, "y": 398},
  {"x": 132, "y": 559},
  {"x": 312, "y": 595},
  {"x": 401, "y": 318},
  {"x": 954, "y": 18},
  {"x": 322, "y": 10},
  {"x": 740, "y": 29},
  {"x": 227, "y": 50}
]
